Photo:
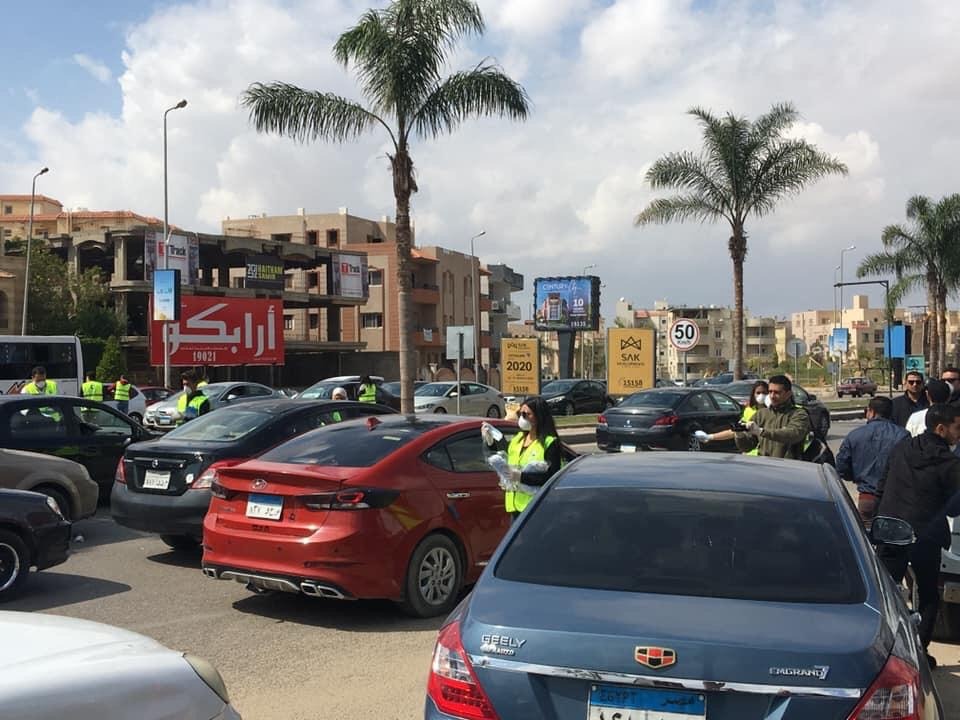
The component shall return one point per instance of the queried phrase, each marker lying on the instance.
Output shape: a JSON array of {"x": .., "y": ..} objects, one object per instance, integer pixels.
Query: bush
[{"x": 111, "y": 362}]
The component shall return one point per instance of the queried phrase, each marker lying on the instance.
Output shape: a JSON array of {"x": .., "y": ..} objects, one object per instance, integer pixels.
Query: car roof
[
  {"x": 677, "y": 390},
  {"x": 773, "y": 477}
]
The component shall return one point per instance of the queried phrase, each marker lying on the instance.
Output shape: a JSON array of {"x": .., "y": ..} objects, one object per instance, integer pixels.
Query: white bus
[{"x": 59, "y": 354}]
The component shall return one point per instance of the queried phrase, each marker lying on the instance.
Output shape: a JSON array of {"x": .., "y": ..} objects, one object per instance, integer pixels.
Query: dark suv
[{"x": 572, "y": 397}]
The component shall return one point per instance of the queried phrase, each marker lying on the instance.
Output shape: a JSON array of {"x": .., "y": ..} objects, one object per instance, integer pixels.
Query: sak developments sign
[
  {"x": 631, "y": 360},
  {"x": 520, "y": 366}
]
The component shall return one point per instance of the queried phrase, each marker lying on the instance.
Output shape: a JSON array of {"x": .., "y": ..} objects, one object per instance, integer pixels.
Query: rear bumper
[
  {"x": 162, "y": 514},
  {"x": 611, "y": 439},
  {"x": 282, "y": 583},
  {"x": 52, "y": 544}
]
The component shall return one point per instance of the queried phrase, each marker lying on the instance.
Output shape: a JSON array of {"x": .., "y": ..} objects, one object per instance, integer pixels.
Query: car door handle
[{"x": 458, "y": 495}]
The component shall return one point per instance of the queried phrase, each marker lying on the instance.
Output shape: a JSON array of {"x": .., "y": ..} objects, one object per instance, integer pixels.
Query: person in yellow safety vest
[
  {"x": 91, "y": 389},
  {"x": 536, "y": 444},
  {"x": 368, "y": 390},
  {"x": 193, "y": 402},
  {"x": 39, "y": 384},
  {"x": 121, "y": 393},
  {"x": 758, "y": 399},
  {"x": 338, "y": 393}
]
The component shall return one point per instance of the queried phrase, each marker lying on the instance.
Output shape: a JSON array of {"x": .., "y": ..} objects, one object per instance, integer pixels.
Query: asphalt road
[{"x": 282, "y": 656}]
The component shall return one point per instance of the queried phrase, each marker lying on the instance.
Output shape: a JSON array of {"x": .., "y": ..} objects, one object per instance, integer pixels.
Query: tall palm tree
[
  {"x": 399, "y": 54},
  {"x": 925, "y": 254},
  {"x": 744, "y": 168}
]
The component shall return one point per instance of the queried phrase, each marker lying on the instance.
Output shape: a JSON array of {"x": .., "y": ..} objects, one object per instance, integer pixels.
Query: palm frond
[
  {"x": 789, "y": 167},
  {"x": 692, "y": 173},
  {"x": 680, "y": 208},
  {"x": 484, "y": 91},
  {"x": 771, "y": 125},
  {"x": 881, "y": 263}
]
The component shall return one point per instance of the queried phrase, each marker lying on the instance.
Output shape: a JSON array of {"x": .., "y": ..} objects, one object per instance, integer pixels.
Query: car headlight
[
  {"x": 52, "y": 504},
  {"x": 209, "y": 674}
]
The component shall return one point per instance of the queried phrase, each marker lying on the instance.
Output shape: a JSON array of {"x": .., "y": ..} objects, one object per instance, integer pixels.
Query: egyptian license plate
[
  {"x": 628, "y": 448},
  {"x": 630, "y": 703},
  {"x": 153, "y": 480},
  {"x": 164, "y": 420},
  {"x": 265, "y": 507}
]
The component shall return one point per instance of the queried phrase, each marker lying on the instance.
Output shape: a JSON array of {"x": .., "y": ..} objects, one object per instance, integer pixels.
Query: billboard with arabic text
[{"x": 222, "y": 331}]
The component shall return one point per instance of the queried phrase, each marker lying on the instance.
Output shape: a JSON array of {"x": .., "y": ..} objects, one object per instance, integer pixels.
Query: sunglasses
[{"x": 914, "y": 382}]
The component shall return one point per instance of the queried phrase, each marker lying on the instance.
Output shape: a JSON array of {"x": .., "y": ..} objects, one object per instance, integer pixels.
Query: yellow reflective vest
[
  {"x": 49, "y": 389},
  {"x": 121, "y": 391},
  {"x": 194, "y": 407},
  {"x": 92, "y": 390},
  {"x": 517, "y": 457},
  {"x": 368, "y": 393}
]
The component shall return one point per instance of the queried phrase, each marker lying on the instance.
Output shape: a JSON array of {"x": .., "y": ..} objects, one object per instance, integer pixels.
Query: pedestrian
[
  {"x": 39, "y": 385},
  {"x": 368, "y": 390},
  {"x": 338, "y": 393},
  {"x": 121, "y": 393},
  {"x": 758, "y": 399},
  {"x": 193, "y": 402},
  {"x": 204, "y": 378},
  {"x": 91, "y": 389},
  {"x": 936, "y": 391},
  {"x": 780, "y": 430},
  {"x": 864, "y": 453},
  {"x": 923, "y": 475},
  {"x": 951, "y": 376},
  {"x": 537, "y": 443},
  {"x": 913, "y": 399}
]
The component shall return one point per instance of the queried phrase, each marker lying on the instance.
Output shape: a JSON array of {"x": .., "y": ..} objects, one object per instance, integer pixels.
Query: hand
[
  {"x": 486, "y": 432},
  {"x": 754, "y": 429},
  {"x": 702, "y": 436}
]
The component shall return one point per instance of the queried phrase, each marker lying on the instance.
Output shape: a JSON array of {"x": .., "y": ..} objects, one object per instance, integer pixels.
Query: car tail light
[
  {"x": 352, "y": 499},
  {"x": 453, "y": 686},
  {"x": 121, "y": 475},
  {"x": 894, "y": 695},
  {"x": 209, "y": 476},
  {"x": 219, "y": 491},
  {"x": 670, "y": 419},
  {"x": 601, "y": 419}
]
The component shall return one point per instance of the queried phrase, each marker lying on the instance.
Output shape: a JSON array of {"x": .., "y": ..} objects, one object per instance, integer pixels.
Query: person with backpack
[{"x": 781, "y": 430}]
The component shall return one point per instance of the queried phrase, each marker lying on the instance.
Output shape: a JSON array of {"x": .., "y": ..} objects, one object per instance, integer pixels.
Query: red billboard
[{"x": 222, "y": 331}]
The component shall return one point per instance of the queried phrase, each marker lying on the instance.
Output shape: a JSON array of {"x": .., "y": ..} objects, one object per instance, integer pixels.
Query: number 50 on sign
[{"x": 684, "y": 335}]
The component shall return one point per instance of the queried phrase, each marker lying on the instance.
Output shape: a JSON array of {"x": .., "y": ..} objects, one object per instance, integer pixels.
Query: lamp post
[
  {"x": 476, "y": 306},
  {"x": 26, "y": 272},
  {"x": 583, "y": 368},
  {"x": 166, "y": 250},
  {"x": 840, "y": 359}
]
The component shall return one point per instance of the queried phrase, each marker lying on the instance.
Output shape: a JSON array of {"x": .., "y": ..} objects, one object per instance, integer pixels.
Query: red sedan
[{"x": 396, "y": 507}]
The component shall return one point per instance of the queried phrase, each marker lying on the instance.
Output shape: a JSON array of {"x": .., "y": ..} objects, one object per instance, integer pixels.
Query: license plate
[
  {"x": 265, "y": 507},
  {"x": 164, "y": 421},
  {"x": 628, "y": 448},
  {"x": 154, "y": 480},
  {"x": 631, "y": 703}
]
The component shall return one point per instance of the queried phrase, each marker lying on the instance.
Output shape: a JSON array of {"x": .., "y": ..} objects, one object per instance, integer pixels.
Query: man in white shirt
[{"x": 937, "y": 392}]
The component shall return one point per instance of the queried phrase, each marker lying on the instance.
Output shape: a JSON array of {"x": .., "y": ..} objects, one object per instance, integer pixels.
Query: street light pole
[
  {"x": 26, "y": 272},
  {"x": 475, "y": 261},
  {"x": 166, "y": 250},
  {"x": 583, "y": 369}
]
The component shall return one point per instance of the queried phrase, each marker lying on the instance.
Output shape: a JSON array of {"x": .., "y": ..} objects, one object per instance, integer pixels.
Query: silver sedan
[{"x": 475, "y": 399}]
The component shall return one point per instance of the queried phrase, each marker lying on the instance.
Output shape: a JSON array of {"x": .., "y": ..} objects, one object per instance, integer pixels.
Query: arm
[
  {"x": 723, "y": 435},
  {"x": 795, "y": 431},
  {"x": 845, "y": 460},
  {"x": 745, "y": 441},
  {"x": 554, "y": 458}
]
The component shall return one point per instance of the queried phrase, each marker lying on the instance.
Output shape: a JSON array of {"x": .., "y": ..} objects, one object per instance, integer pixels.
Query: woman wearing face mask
[
  {"x": 537, "y": 444},
  {"x": 759, "y": 397}
]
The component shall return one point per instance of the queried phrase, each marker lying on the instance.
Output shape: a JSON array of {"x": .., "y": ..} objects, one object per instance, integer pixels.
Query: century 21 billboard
[
  {"x": 631, "y": 363},
  {"x": 567, "y": 303}
]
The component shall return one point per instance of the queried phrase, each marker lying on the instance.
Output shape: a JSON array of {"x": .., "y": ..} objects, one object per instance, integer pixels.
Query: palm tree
[
  {"x": 744, "y": 168},
  {"x": 398, "y": 54},
  {"x": 925, "y": 254}
]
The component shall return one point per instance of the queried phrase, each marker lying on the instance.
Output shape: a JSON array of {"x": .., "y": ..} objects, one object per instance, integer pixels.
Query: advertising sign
[
  {"x": 915, "y": 363},
  {"x": 631, "y": 360},
  {"x": 215, "y": 331},
  {"x": 349, "y": 276},
  {"x": 840, "y": 340},
  {"x": 183, "y": 251},
  {"x": 520, "y": 366},
  {"x": 567, "y": 303},
  {"x": 166, "y": 295},
  {"x": 895, "y": 341},
  {"x": 264, "y": 272}
]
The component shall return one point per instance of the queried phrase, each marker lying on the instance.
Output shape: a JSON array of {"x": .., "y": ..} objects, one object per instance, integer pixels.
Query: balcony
[
  {"x": 428, "y": 338},
  {"x": 485, "y": 303},
  {"x": 426, "y": 295}
]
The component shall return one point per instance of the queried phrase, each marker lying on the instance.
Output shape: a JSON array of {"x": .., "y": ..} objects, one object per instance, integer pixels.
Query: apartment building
[{"x": 865, "y": 326}]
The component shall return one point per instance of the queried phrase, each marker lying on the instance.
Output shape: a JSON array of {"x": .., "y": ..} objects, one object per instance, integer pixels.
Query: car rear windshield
[
  {"x": 354, "y": 444},
  {"x": 652, "y": 398},
  {"x": 709, "y": 544},
  {"x": 556, "y": 387},
  {"x": 224, "y": 425},
  {"x": 319, "y": 392}
]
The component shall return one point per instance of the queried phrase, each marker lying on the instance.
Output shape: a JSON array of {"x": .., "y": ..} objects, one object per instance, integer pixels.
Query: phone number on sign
[{"x": 204, "y": 356}]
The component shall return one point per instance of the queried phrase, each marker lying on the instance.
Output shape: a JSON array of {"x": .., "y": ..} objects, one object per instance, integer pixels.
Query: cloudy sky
[{"x": 610, "y": 80}]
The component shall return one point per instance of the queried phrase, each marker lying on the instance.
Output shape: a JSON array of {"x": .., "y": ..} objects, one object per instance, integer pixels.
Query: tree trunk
[
  {"x": 933, "y": 323},
  {"x": 941, "y": 329},
  {"x": 738, "y": 251},
  {"x": 403, "y": 186}
]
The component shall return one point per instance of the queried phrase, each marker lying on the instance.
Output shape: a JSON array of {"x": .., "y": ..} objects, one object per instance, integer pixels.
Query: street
[{"x": 282, "y": 656}]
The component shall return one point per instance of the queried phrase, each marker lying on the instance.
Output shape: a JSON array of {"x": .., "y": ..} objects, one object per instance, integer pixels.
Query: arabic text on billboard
[
  {"x": 566, "y": 303},
  {"x": 264, "y": 272},
  {"x": 214, "y": 331},
  {"x": 182, "y": 252},
  {"x": 349, "y": 275}
]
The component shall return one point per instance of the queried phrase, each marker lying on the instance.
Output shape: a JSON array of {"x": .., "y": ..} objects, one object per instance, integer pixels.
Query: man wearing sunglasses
[
  {"x": 951, "y": 376},
  {"x": 913, "y": 399}
]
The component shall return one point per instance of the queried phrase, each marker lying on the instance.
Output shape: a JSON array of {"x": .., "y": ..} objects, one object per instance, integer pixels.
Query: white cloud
[{"x": 97, "y": 69}]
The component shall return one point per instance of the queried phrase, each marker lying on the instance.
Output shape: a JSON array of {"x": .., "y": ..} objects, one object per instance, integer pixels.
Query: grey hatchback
[{"x": 684, "y": 587}]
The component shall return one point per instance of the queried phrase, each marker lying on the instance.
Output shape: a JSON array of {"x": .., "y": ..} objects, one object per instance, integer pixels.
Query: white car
[
  {"x": 475, "y": 399},
  {"x": 136, "y": 406},
  {"x": 59, "y": 667}
]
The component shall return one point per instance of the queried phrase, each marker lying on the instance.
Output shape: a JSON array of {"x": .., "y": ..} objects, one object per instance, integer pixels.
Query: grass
[{"x": 574, "y": 420}]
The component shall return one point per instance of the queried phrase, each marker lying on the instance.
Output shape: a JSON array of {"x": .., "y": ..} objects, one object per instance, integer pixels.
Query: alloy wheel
[
  {"x": 437, "y": 577},
  {"x": 9, "y": 566}
]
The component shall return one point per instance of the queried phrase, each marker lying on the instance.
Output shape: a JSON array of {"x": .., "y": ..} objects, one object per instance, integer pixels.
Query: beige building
[{"x": 11, "y": 294}]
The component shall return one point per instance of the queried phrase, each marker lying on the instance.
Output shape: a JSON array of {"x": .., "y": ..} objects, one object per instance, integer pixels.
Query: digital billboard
[{"x": 567, "y": 303}]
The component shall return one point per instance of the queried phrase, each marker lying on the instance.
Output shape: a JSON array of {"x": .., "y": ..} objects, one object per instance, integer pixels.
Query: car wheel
[
  {"x": 14, "y": 564},
  {"x": 434, "y": 577},
  {"x": 136, "y": 417},
  {"x": 183, "y": 543},
  {"x": 493, "y": 412},
  {"x": 693, "y": 445},
  {"x": 63, "y": 500},
  {"x": 440, "y": 411}
]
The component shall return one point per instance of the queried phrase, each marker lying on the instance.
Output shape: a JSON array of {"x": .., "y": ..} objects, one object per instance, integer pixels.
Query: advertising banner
[
  {"x": 840, "y": 340},
  {"x": 166, "y": 295},
  {"x": 349, "y": 276},
  {"x": 264, "y": 272},
  {"x": 184, "y": 252},
  {"x": 631, "y": 360},
  {"x": 520, "y": 366},
  {"x": 219, "y": 331},
  {"x": 567, "y": 303}
]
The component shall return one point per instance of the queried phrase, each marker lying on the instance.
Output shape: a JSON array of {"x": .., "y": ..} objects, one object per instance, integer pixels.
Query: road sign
[
  {"x": 915, "y": 363},
  {"x": 796, "y": 347},
  {"x": 520, "y": 366},
  {"x": 684, "y": 335},
  {"x": 631, "y": 362},
  {"x": 453, "y": 341}
]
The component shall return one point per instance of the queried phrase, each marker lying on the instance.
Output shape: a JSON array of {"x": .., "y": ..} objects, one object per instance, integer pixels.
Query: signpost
[
  {"x": 684, "y": 336},
  {"x": 459, "y": 345},
  {"x": 520, "y": 366},
  {"x": 915, "y": 363},
  {"x": 795, "y": 348},
  {"x": 631, "y": 360}
]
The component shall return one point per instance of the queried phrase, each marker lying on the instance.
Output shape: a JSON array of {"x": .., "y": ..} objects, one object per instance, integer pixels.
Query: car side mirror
[
  {"x": 230, "y": 397},
  {"x": 453, "y": 393},
  {"x": 811, "y": 397},
  {"x": 891, "y": 531}
]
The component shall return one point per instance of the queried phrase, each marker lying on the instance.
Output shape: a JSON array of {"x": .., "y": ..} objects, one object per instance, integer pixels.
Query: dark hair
[
  {"x": 365, "y": 380},
  {"x": 914, "y": 372},
  {"x": 950, "y": 369},
  {"x": 542, "y": 416},
  {"x": 188, "y": 375},
  {"x": 753, "y": 391},
  {"x": 781, "y": 380},
  {"x": 881, "y": 406},
  {"x": 91, "y": 375},
  {"x": 38, "y": 370},
  {"x": 938, "y": 391},
  {"x": 941, "y": 414}
]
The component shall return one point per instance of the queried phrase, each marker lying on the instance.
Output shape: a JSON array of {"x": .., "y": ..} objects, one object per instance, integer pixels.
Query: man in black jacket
[
  {"x": 913, "y": 399},
  {"x": 923, "y": 475}
]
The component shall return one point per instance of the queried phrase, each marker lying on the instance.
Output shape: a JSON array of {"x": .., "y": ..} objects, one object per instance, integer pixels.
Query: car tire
[
  {"x": 440, "y": 411},
  {"x": 693, "y": 445},
  {"x": 63, "y": 500},
  {"x": 493, "y": 412},
  {"x": 14, "y": 564},
  {"x": 181, "y": 543},
  {"x": 136, "y": 417},
  {"x": 434, "y": 578}
]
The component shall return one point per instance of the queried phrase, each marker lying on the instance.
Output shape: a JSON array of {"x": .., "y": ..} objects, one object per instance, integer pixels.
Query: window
[
  {"x": 281, "y": 237},
  {"x": 373, "y": 239},
  {"x": 878, "y": 336},
  {"x": 467, "y": 454},
  {"x": 439, "y": 458},
  {"x": 371, "y": 320},
  {"x": 718, "y": 334},
  {"x": 375, "y": 277},
  {"x": 725, "y": 403},
  {"x": 718, "y": 352},
  {"x": 333, "y": 237},
  {"x": 288, "y": 322},
  {"x": 314, "y": 321},
  {"x": 238, "y": 282},
  {"x": 287, "y": 281},
  {"x": 313, "y": 279},
  {"x": 350, "y": 444},
  {"x": 35, "y": 422},
  {"x": 8, "y": 209},
  {"x": 698, "y": 403},
  {"x": 700, "y": 543},
  {"x": 313, "y": 237}
]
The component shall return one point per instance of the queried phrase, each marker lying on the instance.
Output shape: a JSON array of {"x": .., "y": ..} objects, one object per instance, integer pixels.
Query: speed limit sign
[{"x": 684, "y": 335}]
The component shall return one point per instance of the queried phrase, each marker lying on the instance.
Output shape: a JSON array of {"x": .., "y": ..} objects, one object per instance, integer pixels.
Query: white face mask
[
  {"x": 524, "y": 424},
  {"x": 761, "y": 398},
  {"x": 41, "y": 384},
  {"x": 767, "y": 401}
]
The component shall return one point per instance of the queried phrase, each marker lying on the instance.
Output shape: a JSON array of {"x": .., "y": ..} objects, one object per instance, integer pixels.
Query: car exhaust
[
  {"x": 260, "y": 582},
  {"x": 210, "y": 573},
  {"x": 321, "y": 591}
]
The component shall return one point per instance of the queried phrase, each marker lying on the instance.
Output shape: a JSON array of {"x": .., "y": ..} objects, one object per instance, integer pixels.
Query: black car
[
  {"x": 164, "y": 486},
  {"x": 818, "y": 412},
  {"x": 33, "y": 533},
  {"x": 323, "y": 390},
  {"x": 89, "y": 432},
  {"x": 572, "y": 397},
  {"x": 666, "y": 418}
]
